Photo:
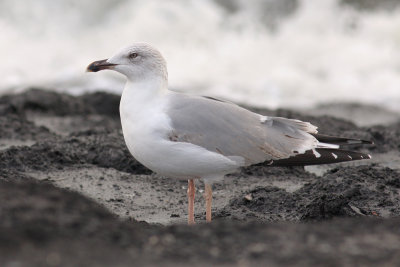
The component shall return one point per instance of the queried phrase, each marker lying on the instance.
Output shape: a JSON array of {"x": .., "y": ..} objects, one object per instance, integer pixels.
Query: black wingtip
[
  {"x": 341, "y": 140},
  {"x": 319, "y": 156},
  {"x": 359, "y": 142}
]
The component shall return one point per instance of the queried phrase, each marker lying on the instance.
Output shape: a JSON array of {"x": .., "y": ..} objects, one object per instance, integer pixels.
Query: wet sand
[{"x": 71, "y": 194}]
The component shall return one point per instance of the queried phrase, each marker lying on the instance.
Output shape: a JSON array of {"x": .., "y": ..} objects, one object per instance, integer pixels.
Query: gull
[{"x": 191, "y": 137}]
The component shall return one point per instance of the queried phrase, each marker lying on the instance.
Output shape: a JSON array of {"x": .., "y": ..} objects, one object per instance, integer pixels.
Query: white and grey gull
[{"x": 193, "y": 137}]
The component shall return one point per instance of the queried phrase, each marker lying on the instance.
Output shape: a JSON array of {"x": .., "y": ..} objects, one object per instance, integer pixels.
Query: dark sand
[{"x": 71, "y": 195}]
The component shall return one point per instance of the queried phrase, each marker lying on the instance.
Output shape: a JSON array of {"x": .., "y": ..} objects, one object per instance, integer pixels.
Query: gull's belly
[{"x": 149, "y": 144}]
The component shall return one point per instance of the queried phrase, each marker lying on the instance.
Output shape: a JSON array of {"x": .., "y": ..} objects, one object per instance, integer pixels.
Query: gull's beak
[{"x": 100, "y": 65}]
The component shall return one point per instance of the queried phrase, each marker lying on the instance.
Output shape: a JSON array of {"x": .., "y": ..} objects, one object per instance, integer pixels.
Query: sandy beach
[{"x": 68, "y": 183}]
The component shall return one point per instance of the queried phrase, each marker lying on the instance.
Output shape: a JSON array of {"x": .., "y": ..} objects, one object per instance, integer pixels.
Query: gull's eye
[{"x": 133, "y": 55}]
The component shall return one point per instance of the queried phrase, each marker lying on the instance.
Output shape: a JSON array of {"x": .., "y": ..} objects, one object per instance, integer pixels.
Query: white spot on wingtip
[
  {"x": 349, "y": 157},
  {"x": 369, "y": 156},
  {"x": 326, "y": 145},
  {"x": 334, "y": 155},
  {"x": 316, "y": 154}
]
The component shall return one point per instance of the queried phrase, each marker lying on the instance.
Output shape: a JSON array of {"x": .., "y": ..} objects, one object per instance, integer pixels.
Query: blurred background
[{"x": 270, "y": 53}]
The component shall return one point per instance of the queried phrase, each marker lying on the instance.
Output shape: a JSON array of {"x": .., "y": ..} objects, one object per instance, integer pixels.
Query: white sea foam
[{"x": 322, "y": 52}]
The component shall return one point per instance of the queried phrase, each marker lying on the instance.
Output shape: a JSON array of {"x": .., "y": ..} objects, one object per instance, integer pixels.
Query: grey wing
[{"x": 233, "y": 131}]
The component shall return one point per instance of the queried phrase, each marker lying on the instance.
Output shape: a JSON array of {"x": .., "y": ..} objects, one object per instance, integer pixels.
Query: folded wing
[{"x": 233, "y": 131}]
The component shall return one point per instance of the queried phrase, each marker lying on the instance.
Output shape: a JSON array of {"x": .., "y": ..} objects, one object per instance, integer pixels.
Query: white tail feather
[{"x": 326, "y": 145}]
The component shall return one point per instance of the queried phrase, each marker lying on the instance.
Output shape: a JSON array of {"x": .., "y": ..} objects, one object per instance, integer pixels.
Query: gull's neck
[
  {"x": 142, "y": 96},
  {"x": 144, "y": 90}
]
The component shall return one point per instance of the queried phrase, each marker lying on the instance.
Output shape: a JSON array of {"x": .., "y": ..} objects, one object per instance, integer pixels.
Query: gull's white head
[{"x": 137, "y": 62}]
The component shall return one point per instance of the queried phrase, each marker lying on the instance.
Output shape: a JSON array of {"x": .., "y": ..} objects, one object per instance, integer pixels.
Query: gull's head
[{"x": 138, "y": 61}]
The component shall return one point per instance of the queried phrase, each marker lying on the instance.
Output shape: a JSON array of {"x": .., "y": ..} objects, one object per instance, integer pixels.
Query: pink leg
[
  {"x": 208, "y": 196},
  {"x": 190, "y": 192}
]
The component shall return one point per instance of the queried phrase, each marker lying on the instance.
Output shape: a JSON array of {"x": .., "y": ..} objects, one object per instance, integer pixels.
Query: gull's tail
[
  {"x": 321, "y": 156},
  {"x": 328, "y": 151}
]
